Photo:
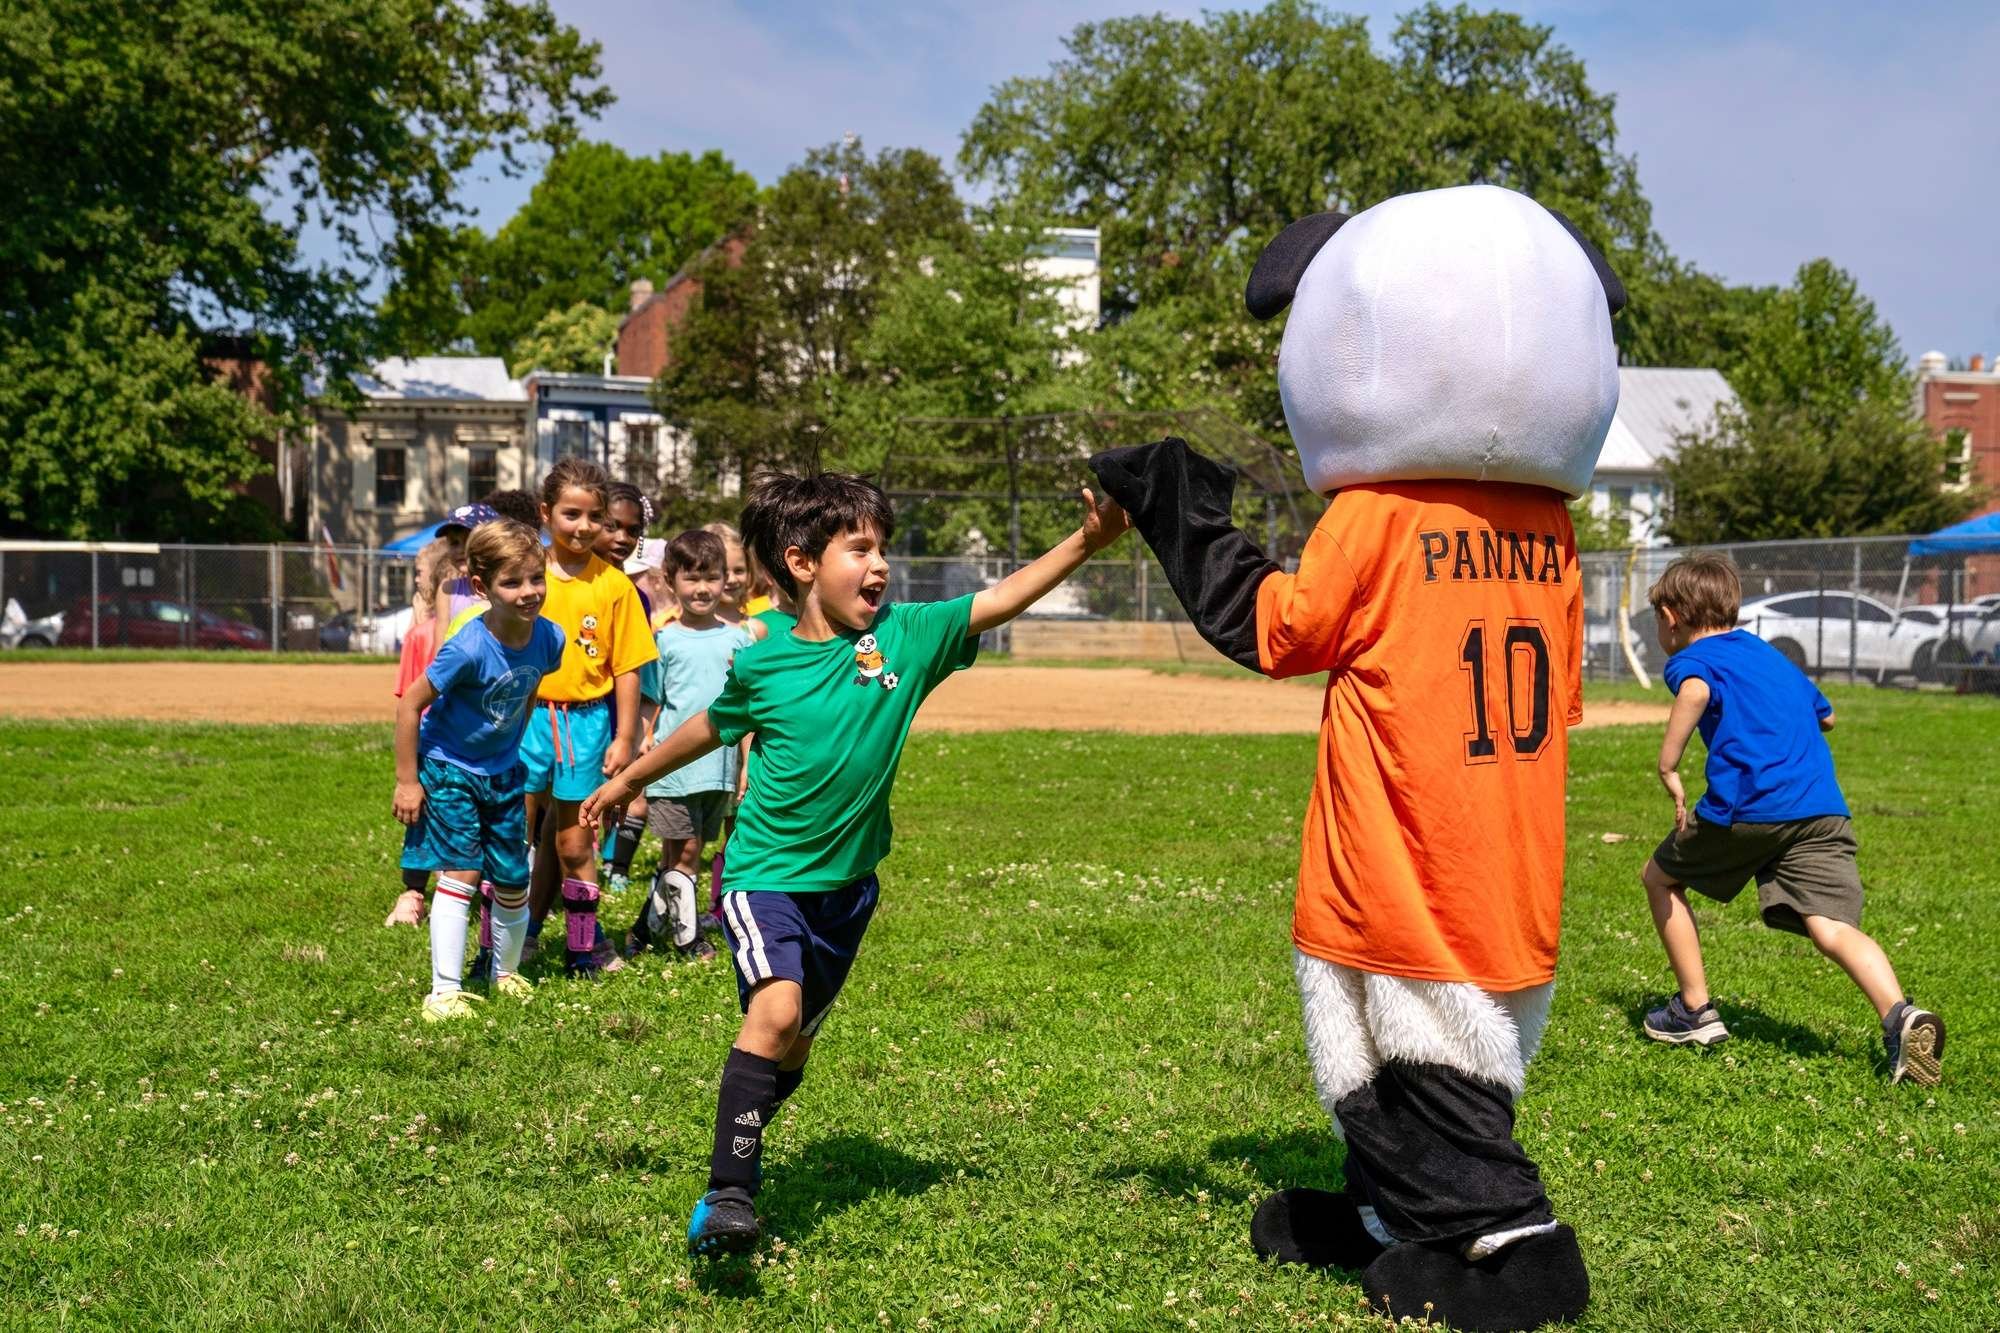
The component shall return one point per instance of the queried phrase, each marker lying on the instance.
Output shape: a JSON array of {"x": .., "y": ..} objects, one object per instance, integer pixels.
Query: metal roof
[
  {"x": 472, "y": 378},
  {"x": 1654, "y": 404}
]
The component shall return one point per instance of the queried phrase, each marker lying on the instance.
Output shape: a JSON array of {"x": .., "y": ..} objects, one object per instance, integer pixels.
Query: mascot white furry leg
[{"x": 1449, "y": 376}]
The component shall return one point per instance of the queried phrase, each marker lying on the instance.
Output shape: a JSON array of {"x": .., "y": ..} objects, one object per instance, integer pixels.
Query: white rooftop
[
  {"x": 1654, "y": 404},
  {"x": 474, "y": 378}
]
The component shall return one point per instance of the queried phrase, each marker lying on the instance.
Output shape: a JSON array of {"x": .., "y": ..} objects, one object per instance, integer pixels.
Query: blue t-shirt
[
  {"x": 485, "y": 690},
  {"x": 1767, "y": 759},
  {"x": 694, "y": 663}
]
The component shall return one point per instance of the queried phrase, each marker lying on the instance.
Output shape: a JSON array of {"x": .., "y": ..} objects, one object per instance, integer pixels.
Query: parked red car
[{"x": 150, "y": 622}]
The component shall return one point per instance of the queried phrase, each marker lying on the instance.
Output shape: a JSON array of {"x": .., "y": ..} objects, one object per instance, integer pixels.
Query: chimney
[
  {"x": 642, "y": 292},
  {"x": 1977, "y": 364}
]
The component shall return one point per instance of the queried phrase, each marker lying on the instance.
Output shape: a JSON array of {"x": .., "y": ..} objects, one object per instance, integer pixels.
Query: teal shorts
[
  {"x": 470, "y": 821},
  {"x": 563, "y": 748}
]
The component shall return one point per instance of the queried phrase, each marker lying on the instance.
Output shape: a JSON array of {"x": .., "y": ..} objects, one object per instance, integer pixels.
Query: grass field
[{"x": 1068, "y": 1065}]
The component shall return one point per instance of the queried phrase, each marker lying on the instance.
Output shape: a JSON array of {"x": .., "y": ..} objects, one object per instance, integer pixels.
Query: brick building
[{"x": 1963, "y": 407}]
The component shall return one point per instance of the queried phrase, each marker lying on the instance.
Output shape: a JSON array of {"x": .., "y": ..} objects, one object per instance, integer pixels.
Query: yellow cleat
[
  {"x": 514, "y": 986},
  {"x": 451, "y": 1004}
]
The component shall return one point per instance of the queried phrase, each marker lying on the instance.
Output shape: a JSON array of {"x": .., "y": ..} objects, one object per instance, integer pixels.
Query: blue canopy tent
[
  {"x": 1975, "y": 536},
  {"x": 406, "y": 548}
]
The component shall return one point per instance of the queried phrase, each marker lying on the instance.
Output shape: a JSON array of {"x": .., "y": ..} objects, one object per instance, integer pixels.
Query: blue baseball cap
[{"x": 469, "y": 516}]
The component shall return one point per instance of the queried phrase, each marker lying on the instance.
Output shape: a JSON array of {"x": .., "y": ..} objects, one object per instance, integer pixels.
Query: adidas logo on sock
[{"x": 750, "y": 1118}]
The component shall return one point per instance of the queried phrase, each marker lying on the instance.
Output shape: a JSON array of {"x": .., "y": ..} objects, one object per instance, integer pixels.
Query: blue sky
[{"x": 1766, "y": 134}]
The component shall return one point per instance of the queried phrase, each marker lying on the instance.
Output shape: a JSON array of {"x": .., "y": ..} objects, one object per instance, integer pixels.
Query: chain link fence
[
  {"x": 1857, "y": 610},
  {"x": 1853, "y": 610},
  {"x": 249, "y": 598}
]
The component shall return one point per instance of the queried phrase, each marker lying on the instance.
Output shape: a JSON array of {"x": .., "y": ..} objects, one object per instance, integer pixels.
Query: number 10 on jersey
[{"x": 1521, "y": 662}]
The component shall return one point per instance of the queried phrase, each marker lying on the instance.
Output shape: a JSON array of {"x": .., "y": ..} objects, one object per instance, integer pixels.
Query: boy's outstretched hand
[
  {"x": 1104, "y": 521},
  {"x": 611, "y": 796}
]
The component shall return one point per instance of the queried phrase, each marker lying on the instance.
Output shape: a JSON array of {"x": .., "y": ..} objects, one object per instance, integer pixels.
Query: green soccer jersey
[{"x": 829, "y": 721}]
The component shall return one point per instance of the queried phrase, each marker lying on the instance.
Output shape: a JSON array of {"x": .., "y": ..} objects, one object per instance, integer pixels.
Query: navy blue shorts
[
  {"x": 470, "y": 821},
  {"x": 810, "y": 938}
]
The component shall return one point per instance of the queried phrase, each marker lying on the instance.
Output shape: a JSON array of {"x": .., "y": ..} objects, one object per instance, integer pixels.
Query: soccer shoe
[
  {"x": 451, "y": 1004},
  {"x": 591, "y": 964},
  {"x": 697, "y": 951},
  {"x": 614, "y": 883},
  {"x": 639, "y": 938},
  {"x": 1677, "y": 1025},
  {"x": 530, "y": 946},
  {"x": 408, "y": 911},
  {"x": 1540, "y": 1280},
  {"x": 1915, "y": 1038},
  {"x": 724, "y": 1222},
  {"x": 1314, "y": 1228},
  {"x": 480, "y": 971},
  {"x": 514, "y": 986}
]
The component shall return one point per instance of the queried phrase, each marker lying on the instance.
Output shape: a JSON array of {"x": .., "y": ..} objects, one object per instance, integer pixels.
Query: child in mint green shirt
[{"x": 829, "y": 701}]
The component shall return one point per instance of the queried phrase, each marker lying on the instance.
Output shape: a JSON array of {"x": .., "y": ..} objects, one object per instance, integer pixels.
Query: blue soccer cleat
[{"x": 724, "y": 1222}]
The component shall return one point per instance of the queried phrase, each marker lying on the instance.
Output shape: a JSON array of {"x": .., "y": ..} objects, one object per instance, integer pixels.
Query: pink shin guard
[{"x": 580, "y": 907}]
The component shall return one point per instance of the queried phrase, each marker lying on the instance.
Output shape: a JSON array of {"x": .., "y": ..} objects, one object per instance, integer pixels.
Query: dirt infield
[{"x": 997, "y": 698}]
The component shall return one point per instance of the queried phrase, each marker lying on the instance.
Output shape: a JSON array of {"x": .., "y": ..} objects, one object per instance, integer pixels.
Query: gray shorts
[
  {"x": 1803, "y": 867},
  {"x": 696, "y": 815}
]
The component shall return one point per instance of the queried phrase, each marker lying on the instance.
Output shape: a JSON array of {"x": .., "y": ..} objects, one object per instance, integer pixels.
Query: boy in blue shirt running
[
  {"x": 1773, "y": 812},
  {"x": 459, "y": 777}
]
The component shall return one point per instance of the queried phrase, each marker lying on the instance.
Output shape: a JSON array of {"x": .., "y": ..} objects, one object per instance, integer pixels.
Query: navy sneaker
[
  {"x": 699, "y": 950},
  {"x": 1915, "y": 1038},
  {"x": 1677, "y": 1025},
  {"x": 481, "y": 971},
  {"x": 723, "y": 1223}
]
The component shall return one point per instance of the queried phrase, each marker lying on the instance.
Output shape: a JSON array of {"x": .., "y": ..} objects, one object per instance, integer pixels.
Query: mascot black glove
[{"x": 1179, "y": 502}]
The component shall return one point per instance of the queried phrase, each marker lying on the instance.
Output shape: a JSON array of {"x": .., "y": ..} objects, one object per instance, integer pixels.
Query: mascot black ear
[
  {"x": 1276, "y": 277},
  {"x": 1614, "y": 290}
]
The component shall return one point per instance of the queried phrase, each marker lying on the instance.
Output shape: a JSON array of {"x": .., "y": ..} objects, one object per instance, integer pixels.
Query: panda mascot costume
[{"x": 1448, "y": 374}]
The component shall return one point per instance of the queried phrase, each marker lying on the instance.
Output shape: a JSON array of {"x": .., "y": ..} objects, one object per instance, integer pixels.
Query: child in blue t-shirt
[
  {"x": 686, "y": 808},
  {"x": 1773, "y": 811},
  {"x": 459, "y": 777}
]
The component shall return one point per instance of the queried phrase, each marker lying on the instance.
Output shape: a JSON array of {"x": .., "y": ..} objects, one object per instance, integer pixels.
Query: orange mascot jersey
[{"x": 1450, "y": 615}]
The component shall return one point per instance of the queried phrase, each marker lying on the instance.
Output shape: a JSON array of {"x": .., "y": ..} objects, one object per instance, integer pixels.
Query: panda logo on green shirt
[{"x": 868, "y": 664}]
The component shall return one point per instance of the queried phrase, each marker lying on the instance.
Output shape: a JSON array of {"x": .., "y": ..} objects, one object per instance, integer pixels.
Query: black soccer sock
[
  {"x": 742, "y": 1106},
  {"x": 788, "y": 1083},
  {"x": 625, "y": 842}
]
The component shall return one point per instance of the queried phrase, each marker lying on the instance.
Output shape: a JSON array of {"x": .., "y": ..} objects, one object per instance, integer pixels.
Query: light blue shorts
[
  {"x": 563, "y": 748},
  {"x": 470, "y": 821}
]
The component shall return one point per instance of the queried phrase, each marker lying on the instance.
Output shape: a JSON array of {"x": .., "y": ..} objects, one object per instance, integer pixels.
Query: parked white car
[
  {"x": 1974, "y": 651},
  {"x": 17, "y": 631},
  {"x": 1828, "y": 631},
  {"x": 381, "y": 633}
]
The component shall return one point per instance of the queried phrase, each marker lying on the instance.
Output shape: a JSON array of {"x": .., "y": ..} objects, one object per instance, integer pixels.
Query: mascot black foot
[
  {"x": 1449, "y": 376},
  {"x": 1535, "y": 1281},
  {"x": 1315, "y": 1228}
]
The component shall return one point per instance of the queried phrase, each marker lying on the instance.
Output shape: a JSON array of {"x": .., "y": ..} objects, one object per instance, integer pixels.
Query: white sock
[
  {"x": 1495, "y": 1241},
  {"x": 673, "y": 894},
  {"x": 451, "y": 911},
  {"x": 510, "y": 928}
]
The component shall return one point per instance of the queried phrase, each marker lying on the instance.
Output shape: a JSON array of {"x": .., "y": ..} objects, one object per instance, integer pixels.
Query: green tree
[
  {"x": 1608, "y": 531},
  {"x": 1190, "y": 144},
  {"x": 597, "y": 221},
  {"x": 970, "y": 328},
  {"x": 758, "y": 369},
  {"x": 1823, "y": 442},
  {"x": 163, "y": 163},
  {"x": 575, "y": 339}
]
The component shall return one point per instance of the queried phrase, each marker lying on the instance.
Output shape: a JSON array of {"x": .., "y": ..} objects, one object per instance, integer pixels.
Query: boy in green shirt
[{"x": 829, "y": 700}]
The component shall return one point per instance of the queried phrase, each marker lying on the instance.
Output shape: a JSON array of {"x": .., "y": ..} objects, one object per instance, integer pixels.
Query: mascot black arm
[{"x": 1179, "y": 502}]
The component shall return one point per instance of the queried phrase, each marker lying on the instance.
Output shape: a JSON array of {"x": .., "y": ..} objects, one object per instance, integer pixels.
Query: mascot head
[{"x": 1453, "y": 333}]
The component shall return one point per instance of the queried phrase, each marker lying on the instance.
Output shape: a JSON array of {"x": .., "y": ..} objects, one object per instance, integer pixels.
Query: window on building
[
  {"x": 482, "y": 471},
  {"x": 642, "y": 453},
  {"x": 572, "y": 437},
  {"x": 1957, "y": 457},
  {"x": 1621, "y": 500},
  {"x": 391, "y": 477}
]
